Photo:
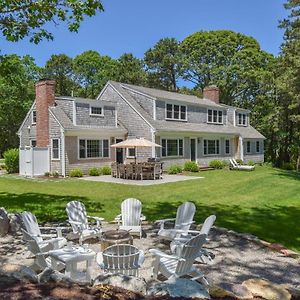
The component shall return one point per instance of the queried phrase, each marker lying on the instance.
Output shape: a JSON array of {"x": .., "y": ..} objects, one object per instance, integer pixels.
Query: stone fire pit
[{"x": 113, "y": 237}]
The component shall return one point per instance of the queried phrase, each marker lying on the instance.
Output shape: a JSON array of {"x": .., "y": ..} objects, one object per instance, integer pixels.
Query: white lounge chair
[
  {"x": 40, "y": 252},
  {"x": 178, "y": 242},
  {"x": 78, "y": 219},
  {"x": 121, "y": 258},
  {"x": 175, "y": 266},
  {"x": 235, "y": 166},
  {"x": 183, "y": 221},
  {"x": 131, "y": 216},
  {"x": 32, "y": 227}
]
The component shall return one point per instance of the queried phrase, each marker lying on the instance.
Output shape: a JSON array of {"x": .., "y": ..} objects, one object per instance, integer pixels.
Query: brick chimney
[
  {"x": 212, "y": 93},
  {"x": 45, "y": 97}
]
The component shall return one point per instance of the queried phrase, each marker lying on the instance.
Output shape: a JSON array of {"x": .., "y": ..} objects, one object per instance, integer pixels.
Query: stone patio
[{"x": 166, "y": 179}]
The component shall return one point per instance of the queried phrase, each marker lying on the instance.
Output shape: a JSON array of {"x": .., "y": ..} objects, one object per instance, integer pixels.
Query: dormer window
[
  {"x": 33, "y": 117},
  {"x": 96, "y": 110},
  {"x": 175, "y": 112},
  {"x": 214, "y": 116},
  {"x": 242, "y": 119}
]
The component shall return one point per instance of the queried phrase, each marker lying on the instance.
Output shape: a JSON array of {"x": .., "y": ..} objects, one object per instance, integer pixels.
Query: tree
[
  {"x": 92, "y": 71},
  {"x": 130, "y": 70},
  {"x": 21, "y": 18},
  {"x": 17, "y": 76},
  {"x": 59, "y": 67},
  {"x": 162, "y": 63},
  {"x": 289, "y": 86},
  {"x": 232, "y": 61}
]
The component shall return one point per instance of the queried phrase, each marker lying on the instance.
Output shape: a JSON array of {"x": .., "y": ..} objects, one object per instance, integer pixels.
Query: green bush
[
  {"x": 76, "y": 173},
  {"x": 225, "y": 163},
  {"x": 11, "y": 160},
  {"x": 175, "y": 169},
  {"x": 239, "y": 161},
  {"x": 251, "y": 163},
  {"x": 55, "y": 174},
  {"x": 106, "y": 170},
  {"x": 216, "y": 164},
  {"x": 47, "y": 174},
  {"x": 287, "y": 166},
  {"x": 191, "y": 166},
  {"x": 94, "y": 171}
]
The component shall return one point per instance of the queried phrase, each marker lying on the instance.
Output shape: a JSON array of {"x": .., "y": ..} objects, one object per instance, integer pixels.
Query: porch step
[{"x": 203, "y": 168}]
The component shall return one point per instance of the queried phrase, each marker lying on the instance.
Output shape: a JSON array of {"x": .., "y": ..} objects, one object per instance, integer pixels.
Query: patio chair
[
  {"x": 122, "y": 171},
  {"x": 235, "y": 166},
  {"x": 204, "y": 256},
  {"x": 183, "y": 221},
  {"x": 32, "y": 227},
  {"x": 131, "y": 216},
  {"x": 40, "y": 252},
  {"x": 139, "y": 172},
  {"x": 78, "y": 219},
  {"x": 129, "y": 171},
  {"x": 175, "y": 266},
  {"x": 114, "y": 169},
  {"x": 121, "y": 258}
]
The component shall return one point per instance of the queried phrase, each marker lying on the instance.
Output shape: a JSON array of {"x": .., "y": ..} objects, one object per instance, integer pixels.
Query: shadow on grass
[
  {"x": 46, "y": 207},
  {"x": 289, "y": 174},
  {"x": 275, "y": 224}
]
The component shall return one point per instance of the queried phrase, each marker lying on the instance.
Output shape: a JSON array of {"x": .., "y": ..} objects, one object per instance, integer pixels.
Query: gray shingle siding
[
  {"x": 66, "y": 106},
  {"x": 145, "y": 102},
  {"x": 83, "y": 116}
]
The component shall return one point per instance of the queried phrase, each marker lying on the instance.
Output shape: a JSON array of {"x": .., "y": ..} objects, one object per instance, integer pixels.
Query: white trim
[
  {"x": 93, "y": 139},
  {"x": 32, "y": 122},
  {"x": 259, "y": 145},
  {"x": 63, "y": 149},
  {"x": 154, "y": 110},
  {"x": 153, "y": 151},
  {"x": 196, "y": 148},
  {"x": 241, "y": 148},
  {"x": 248, "y": 152},
  {"x": 234, "y": 117},
  {"x": 129, "y": 104},
  {"x": 26, "y": 117},
  {"x": 137, "y": 92},
  {"x": 212, "y": 116},
  {"x": 227, "y": 153},
  {"x": 96, "y": 106},
  {"x": 211, "y": 154},
  {"x": 174, "y": 119},
  {"x": 74, "y": 114},
  {"x": 59, "y": 152},
  {"x": 131, "y": 156},
  {"x": 55, "y": 117},
  {"x": 172, "y": 138},
  {"x": 31, "y": 140},
  {"x": 246, "y": 119}
]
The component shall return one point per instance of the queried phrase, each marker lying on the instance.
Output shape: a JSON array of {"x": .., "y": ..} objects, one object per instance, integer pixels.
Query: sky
[{"x": 134, "y": 26}]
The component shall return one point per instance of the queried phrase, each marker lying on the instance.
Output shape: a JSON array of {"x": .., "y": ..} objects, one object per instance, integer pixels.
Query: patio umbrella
[{"x": 135, "y": 143}]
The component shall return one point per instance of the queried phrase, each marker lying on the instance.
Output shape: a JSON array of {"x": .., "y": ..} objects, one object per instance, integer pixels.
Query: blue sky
[{"x": 136, "y": 25}]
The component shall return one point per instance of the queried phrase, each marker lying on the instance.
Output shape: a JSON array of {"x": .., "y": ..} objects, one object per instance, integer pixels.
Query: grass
[{"x": 265, "y": 202}]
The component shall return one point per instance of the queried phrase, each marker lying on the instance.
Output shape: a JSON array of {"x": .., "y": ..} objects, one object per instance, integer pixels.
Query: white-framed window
[
  {"x": 55, "y": 146},
  {"x": 96, "y": 111},
  {"x": 89, "y": 148},
  {"x": 33, "y": 143},
  {"x": 227, "y": 146},
  {"x": 248, "y": 147},
  {"x": 257, "y": 146},
  {"x": 242, "y": 119},
  {"x": 215, "y": 116},
  {"x": 131, "y": 152},
  {"x": 175, "y": 112},
  {"x": 33, "y": 117},
  {"x": 211, "y": 147},
  {"x": 171, "y": 147}
]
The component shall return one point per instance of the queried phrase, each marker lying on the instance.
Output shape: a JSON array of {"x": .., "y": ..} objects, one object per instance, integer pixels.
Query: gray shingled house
[{"x": 75, "y": 132}]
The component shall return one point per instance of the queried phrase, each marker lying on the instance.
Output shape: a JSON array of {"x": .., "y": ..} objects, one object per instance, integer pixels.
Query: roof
[
  {"x": 83, "y": 100},
  {"x": 169, "y": 96}
]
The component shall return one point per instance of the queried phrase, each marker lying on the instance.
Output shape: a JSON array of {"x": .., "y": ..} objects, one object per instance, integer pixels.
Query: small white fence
[{"x": 34, "y": 161}]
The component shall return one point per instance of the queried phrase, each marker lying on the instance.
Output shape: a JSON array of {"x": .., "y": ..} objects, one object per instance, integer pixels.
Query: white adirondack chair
[
  {"x": 121, "y": 258},
  {"x": 236, "y": 166},
  {"x": 78, "y": 219},
  {"x": 131, "y": 216},
  {"x": 183, "y": 221},
  {"x": 32, "y": 227},
  {"x": 175, "y": 266},
  {"x": 39, "y": 250},
  {"x": 178, "y": 242}
]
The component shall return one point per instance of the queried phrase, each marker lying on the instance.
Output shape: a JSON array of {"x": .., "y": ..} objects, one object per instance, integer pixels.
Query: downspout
[
  {"x": 63, "y": 157},
  {"x": 153, "y": 140},
  {"x": 241, "y": 148}
]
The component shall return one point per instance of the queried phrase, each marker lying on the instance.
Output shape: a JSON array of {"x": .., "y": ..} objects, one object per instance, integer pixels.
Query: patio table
[{"x": 71, "y": 257}]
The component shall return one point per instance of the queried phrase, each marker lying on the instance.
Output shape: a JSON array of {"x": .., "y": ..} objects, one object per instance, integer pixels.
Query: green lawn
[{"x": 265, "y": 202}]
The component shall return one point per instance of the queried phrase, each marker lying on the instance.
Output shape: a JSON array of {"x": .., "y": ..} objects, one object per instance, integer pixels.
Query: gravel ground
[{"x": 236, "y": 259}]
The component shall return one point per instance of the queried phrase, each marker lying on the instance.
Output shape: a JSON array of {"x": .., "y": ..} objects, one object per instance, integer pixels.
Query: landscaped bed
[{"x": 264, "y": 202}]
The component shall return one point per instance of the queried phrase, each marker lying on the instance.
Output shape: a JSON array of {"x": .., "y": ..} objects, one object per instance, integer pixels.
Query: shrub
[
  {"x": 76, "y": 173},
  {"x": 225, "y": 163},
  {"x": 47, "y": 174},
  {"x": 11, "y": 160},
  {"x": 94, "y": 171},
  {"x": 106, "y": 170},
  {"x": 287, "y": 166},
  {"x": 216, "y": 164},
  {"x": 55, "y": 174},
  {"x": 251, "y": 163},
  {"x": 239, "y": 161},
  {"x": 175, "y": 169},
  {"x": 191, "y": 166}
]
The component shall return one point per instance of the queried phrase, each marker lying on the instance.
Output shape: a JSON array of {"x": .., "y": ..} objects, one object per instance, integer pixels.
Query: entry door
[
  {"x": 193, "y": 149},
  {"x": 119, "y": 153}
]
